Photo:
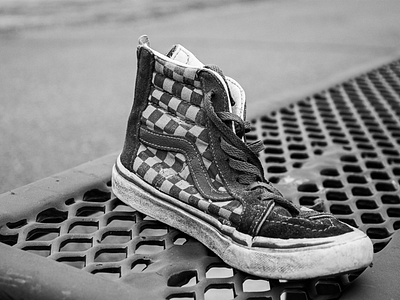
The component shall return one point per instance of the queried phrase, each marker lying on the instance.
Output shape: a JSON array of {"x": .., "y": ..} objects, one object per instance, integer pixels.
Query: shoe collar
[{"x": 181, "y": 56}]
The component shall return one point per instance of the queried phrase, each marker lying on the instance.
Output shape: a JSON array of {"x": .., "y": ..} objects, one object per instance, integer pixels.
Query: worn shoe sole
[{"x": 265, "y": 257}]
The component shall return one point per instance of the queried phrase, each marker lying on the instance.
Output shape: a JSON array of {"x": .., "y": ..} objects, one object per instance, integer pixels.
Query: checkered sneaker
[{"x": 173, "y": 169}]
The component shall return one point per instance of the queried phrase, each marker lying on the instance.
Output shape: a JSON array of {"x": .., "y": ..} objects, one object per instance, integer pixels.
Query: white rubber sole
[{"x": 289, "y": 259}]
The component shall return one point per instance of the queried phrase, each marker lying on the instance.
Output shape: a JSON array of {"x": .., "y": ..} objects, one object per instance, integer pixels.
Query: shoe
[{"x": 185, "y": 162}]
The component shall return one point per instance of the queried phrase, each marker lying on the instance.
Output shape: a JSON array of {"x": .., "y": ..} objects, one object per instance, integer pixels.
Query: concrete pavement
[{"x": 66, "y": 93}]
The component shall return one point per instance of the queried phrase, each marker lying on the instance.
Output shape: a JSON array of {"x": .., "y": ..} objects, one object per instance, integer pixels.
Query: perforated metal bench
[{"x": 68, "y": 237}]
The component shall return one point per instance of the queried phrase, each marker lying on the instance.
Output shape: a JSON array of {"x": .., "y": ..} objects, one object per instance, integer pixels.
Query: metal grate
[
  {"x": 341, "y": 147},
  {"x": 337, "y": 149}
]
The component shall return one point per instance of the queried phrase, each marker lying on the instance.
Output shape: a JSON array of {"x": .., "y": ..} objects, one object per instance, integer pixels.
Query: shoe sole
[{"x": 272, "y": 258}]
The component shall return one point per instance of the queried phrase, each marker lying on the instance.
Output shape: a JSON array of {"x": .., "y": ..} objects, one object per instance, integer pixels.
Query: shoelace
[{"x": 238, "y": 159}]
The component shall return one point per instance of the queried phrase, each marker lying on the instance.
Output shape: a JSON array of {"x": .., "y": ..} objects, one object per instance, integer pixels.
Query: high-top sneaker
[{"x": 185, "y": 162}]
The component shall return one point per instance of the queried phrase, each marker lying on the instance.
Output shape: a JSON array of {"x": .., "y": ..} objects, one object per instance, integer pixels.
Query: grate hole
[
  {"x": 318, "y": 152},
  {"x": 356, "y": 179},
  {"x": 307, "y": 200},
  {"x": 338, "y": 209},
  {"x": 17, "y": 224},
  {"x": 275, "y": 159},
  {"x": 52, "y": 215},
  {"x": 385, "y": 145},
  {"x": 371, "y": 218},
  {"x": 369, "y": 154},
  {"x": 292, "y": 131},
  {"x": 110, "y": 255},
  {"x": 83, "y": 227},
  {"x": 251, "y": 137},
  {"x": 183, "y": 279},
  {"x": 366, "y": 204},
  {"x": 78, "y": 262},
  {"x": 340, "y": 141},
  {"x": 183, "y": 296},
  {"x": 393, "y": 161},
  {"x": 378, "y": 233},
  {"x": 120, "y": 206},
  {"x": 38, "y": 250},
  {"x": 390, "y": 199},
  {"x": 396, "y": 225},
  {"x": 316, "y": 136},
  {"x": 339, "y": 196},
  {"x": 385, "y": 187},
  {"x": 219, "y": 272},
  {"x": 274, "y": 179},
  {"x": 352, "y": 169},
  {"x": 272, "y": 142},
  {"x": 150, "y": 247},
  {"x": 374, "y": 165},
  {"x": 153, "y": 230},
  {"x": 9, "y": 239},
  {"x": 379, "y": 246},
  {"x": 337, "y": 134},
  {"x": 379, "y": 175},
  {"x": 219, "y": 292},
  {"x": 327, "y": 287},
  {"x": 116, "y": 237},
  {"x": 90, "y": 211},
  {"x": 350, "y": 222},
  {"x": 318, "y": 144},
  {"x": 122, "y": 220},
  {"x": 287, "y": 111},
  {"x": 76, "y": 245},
  {"x": 393, "y": 212},
  {"x": 297, "y": 165},
  {"x": 390, "y": 152},
  {"x": 330, "y": 183},
  {"x": 276, "y": 169},
  {"x": 271, "y": 150},
  {"x": 297, "y": 147},
  {"x": 293, "y": 294},
  {"x": 329, "y": 172},
  {"x": 69, "y": 201},
  {"x": 108, "y": 273},
  {"x": 253, "y": 285},
  {"x": 96, "y": 195},
  {"x": 349, "y": 158},
  {"x": 290, "y": 125},
  {"x": 308, "y": 188},
  {"x": 43, "y": 234},
  {"x": 140, "y": 265},
  {"x": 299, "y": 156},
  {"x": 361, "y": 191}
]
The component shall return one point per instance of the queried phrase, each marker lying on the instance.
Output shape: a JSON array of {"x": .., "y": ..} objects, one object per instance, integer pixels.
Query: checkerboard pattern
[
  {"x": 212, "y": 170},
  {"x": 175, "y": 108},
  {"x": 182, "y": 91},
  {"x": 182, "y": 74},
  {"x": 158, "y": 119},
  {"x": 168, "y": 172}
]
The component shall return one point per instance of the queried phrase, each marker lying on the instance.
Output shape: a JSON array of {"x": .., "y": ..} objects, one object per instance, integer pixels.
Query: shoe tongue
[
  {"x": 282, "y": 211},
  {"x": 182, "y": 55}
]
